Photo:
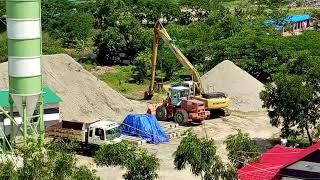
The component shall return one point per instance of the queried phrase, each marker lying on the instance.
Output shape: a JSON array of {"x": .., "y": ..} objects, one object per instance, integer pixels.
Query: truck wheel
[
  {"x": 162, "y": 113},
  {"x": 181, "y": 117}
]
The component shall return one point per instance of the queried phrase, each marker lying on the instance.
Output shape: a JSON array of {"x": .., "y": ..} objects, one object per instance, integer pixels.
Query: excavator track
[{"x": 216, "y": 113}]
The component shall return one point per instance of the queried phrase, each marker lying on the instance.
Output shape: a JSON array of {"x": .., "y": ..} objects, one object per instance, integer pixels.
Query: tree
[
  {"x": 143, "y": 167},
  {"x": 108, "y": 12},
  {"x": 72, "y": 28},
  {"x": 241, "y": 149},
  {"x": 139, "y": 163},
  {"x": 110, "y": 43},
  {"x": 52, "y": 9},
  {"x": 201, "y": 155},
  {"x": 52, "y": 162},
  {"x": 125, "y": 37},
  {"x": 168, "y": 63},
  {"x": 156, "y": 9},
  {"x": 142, "y": 64},
  {"x": 226, "y": 22},
  {"x": 293, "y": 98}
]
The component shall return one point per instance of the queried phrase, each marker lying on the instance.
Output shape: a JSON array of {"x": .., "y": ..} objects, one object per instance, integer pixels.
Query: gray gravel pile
[
  {"x": 85, "y": 98},
  {"x": 242, "y": 89}
]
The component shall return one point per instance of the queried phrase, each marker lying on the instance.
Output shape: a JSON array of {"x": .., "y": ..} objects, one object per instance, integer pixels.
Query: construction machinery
[
  {"x": 180, "y": 106},
  {"x": 215, "y": 102}
]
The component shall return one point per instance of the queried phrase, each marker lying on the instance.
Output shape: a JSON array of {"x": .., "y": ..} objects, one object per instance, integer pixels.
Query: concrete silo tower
[{"x": 24, "y": 56}]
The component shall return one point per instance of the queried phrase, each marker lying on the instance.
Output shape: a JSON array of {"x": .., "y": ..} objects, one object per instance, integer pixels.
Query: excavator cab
[{"x": 178, "y": 93}]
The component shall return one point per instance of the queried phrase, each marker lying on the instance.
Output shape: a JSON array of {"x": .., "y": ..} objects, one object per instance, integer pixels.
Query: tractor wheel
[
  {"x": 162, "y": 113},
  {"x": 181, "y": 117}
]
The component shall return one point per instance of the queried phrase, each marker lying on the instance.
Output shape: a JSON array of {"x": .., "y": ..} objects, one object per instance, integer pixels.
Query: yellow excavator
[{"x": 215, "y": 102}]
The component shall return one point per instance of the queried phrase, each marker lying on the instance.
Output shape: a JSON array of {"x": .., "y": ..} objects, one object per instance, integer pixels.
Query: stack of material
[
  {"x": 85, "y": 98},
  {"x": 242, "y": 89}
]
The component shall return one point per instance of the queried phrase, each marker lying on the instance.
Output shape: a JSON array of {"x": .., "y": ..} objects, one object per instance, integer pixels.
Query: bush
[
  {"x": 201, "y": 155},
  {"x": 241, "y": 149},
  {"x": 140, "y": 164},
  {"x": 53, "y": 162}
]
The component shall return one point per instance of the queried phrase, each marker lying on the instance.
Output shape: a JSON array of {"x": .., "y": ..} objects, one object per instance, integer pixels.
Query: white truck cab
[{"x": 104, "y": 132}]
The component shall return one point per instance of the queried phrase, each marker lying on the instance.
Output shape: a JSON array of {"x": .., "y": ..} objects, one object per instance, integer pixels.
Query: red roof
[{"x": 272, "y": 161}]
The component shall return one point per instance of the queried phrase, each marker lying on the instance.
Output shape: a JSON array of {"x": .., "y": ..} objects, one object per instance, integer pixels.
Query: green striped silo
[{"x": 24, "y": 56}]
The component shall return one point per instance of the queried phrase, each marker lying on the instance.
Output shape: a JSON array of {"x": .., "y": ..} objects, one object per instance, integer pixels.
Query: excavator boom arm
[
  {"x": 179, "y": 55},
  {"x": 160, "y": 31}
]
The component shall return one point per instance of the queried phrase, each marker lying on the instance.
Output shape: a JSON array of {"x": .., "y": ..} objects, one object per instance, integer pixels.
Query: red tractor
[{"x": 180, "y": 106}]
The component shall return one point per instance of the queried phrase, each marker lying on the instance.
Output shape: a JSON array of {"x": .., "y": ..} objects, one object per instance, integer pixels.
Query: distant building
[
  {"x": 292, "y": 23},
  {"x": 284, "y": 163}
]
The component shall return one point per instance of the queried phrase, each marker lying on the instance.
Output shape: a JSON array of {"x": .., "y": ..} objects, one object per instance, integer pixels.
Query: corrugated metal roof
[
  {"x": 289, "y": 19},
  {"x": 272, "y": 161},
  {"x": 50, "y": 97},
  {"x": 298, "y": 18}
]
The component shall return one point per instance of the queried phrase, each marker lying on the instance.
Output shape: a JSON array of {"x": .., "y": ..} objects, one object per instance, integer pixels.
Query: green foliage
[
  {"x": 3, "y": 47},
  {"x": 293, "y": 99},
  {"x": 54, "y": 162},
  {"x": 83, "y": 173},
  {"x": 140, "y": 164},
  {"x": 225, "y": 22},
  {"x": 72, "y": 28},
  {"x": 143, "y": 167},
  {"x": 8, "y": 171},
  {"x": 2, "y": 7},
  {"x": 241, "y": 149},
  {"x": 64, "y": 21},
  {"x": 109, "y": 42},
  {"x": 152, "y": 10},
  {"x": 167, "y": 62},
  {"x": 142, "y": 64},
  {"x": 200, "y": 4},
  {"x": 201, "y": 155},
  {"x": 108, "y": 12},
  {"x": 51, "y": 45},
  {"x": 53, "y": 9},
  {"x": 126, "y": 36},
  {"x": 119, "y": 80},
  {"x": 119, "y": 154}
]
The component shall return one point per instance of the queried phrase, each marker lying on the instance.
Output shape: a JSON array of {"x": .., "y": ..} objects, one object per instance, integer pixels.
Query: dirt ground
[{"x": 256, "y": 124}]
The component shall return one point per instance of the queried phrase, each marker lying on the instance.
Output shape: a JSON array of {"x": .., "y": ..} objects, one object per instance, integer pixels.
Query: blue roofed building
[{"x": 296, "y": 22}]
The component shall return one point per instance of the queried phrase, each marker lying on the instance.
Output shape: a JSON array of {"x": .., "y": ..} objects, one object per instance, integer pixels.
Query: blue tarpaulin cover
[{"x": 145, "y": 126}]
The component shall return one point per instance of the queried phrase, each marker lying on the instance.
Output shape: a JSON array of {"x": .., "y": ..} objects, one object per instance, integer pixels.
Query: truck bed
[{"x": 58, "y": 131}]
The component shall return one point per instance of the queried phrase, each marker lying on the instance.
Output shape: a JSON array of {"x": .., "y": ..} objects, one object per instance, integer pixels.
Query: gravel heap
[
  {"x": 85, "y": 98},
  {"x": 242, "y": 89}
]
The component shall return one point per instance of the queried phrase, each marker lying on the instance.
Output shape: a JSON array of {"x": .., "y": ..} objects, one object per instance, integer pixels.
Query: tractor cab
[{"x": 178, "y": 93}]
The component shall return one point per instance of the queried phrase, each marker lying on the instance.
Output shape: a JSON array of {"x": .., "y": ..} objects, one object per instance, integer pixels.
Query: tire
[
  {"x": 181, "y": 117},
  {"x": 161, "y": 113}
]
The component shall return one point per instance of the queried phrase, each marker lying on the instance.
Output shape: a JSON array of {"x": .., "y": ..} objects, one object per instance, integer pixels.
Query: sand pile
[
  {"x": 85, "y": 98},
  {"x": 242, "y": 89}
]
